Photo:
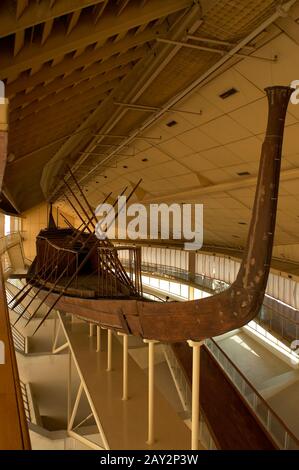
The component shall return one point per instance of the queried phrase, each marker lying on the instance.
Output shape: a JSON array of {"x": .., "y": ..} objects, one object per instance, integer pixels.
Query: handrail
[
  {"x": 154, "y": 295},
  {"x": 26, "y": 401},
  {"x": 19, "y": 340},
  {"x": 19, "y": 309},
  {"x": 183, "y": 387},
  {"x": 231, "y": 371},
  {"x": 59, "y": 248}
]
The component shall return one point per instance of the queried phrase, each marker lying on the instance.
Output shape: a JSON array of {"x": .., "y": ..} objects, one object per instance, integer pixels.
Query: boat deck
[{"x": 89, "y": 286}]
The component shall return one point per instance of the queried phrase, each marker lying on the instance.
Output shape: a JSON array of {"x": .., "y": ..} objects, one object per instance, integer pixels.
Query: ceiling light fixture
[
  {"x": 171, "y": 123},
  {"x": 226, "y": 94}
]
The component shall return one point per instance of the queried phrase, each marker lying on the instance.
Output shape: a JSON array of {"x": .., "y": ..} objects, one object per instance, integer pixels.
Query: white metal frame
[{"x": 72, "y": 410}]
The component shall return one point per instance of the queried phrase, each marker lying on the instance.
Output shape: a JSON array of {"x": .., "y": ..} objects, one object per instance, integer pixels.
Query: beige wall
[{"x": 36, "y": 219}]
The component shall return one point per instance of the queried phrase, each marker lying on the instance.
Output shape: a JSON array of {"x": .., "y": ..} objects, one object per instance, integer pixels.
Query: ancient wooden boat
[{"x": 76, "y": 273}]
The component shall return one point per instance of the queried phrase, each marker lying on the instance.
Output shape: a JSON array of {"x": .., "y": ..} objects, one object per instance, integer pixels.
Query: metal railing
[
  {"x": 275, "y": 319},
  {"x": 9, "y": 240},
  {"x": 19, "y": 309},
  {"x": 20, "y": 341},
  {"x": 273, "y": 424},
  {"x": 172, "y": 272},
  {"x": 184, "y": 391},
  {"x": 179, "y": 378},
  {"x": 113, "y": 279},
  {"x": 25, "y": 401}
]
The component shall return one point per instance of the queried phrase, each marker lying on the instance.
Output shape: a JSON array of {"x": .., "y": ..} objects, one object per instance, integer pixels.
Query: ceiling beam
[
  {"x": 26, "y": 136},
  {"x": 19, "y": 42},
  {"x": 36, "y": 120},
  {"x": 121, "y": 4},
  {"x": 21, "y": 7},
  {"x": 48, "y": 72},
  {"x": 99, "y": 10},
  {"x": 66, "y": 128},
  {"x": 76, "y": 77},
  {"x": 145, "y": 74},
  {"x": 193, "y": 194},
  {"x": 73, "y": 21},
  {"x": 70, "y": 92},
  {"x": 86, "y": 34},
  {"x": 151, "y": 70},
  {"x": 290, "y": 27},
  {"x": 36, "y": 123},
  {"x": 47, "y": 29},
  {"x": 32, "y": 13}
]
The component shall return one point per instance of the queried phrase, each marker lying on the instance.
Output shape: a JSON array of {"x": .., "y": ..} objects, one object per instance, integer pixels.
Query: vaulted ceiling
[{"x": 123, "y": 89}]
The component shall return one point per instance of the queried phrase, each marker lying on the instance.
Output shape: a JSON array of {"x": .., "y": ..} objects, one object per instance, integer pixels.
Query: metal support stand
[
  {"x": 98, "y": 338},
  {"x": 109, "y": 350},
  {"x": 195, "y": 392},
  {"x": 151, "y": 388},
  {"x": 125, "y": 365}
]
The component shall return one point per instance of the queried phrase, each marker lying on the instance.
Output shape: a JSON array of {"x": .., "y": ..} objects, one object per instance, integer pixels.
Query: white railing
[
  {"x": 184, "y": 392},
  {"x": 9, "y": 240},
  {"x": 274, "y": 425},
  {"x": 25, "y": 401},
  {"x": 19, "y": 309},
  {"x": 20, "y": 341},
  {"x": 180, "y": 381}
]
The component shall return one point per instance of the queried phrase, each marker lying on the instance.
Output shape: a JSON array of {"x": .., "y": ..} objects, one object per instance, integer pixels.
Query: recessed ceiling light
[
  {"x": 171, "y": 123},
  {"x": 227, "y": 93},
  {"x": 243, "y": 173}
]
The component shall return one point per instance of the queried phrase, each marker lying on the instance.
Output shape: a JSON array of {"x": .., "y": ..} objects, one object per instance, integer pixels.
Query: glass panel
[
  {"x": 261, "y": 410},
  {"x": 7, "y": 224},
  {"x": 278, "y": 431},
  {"x": 291, "y": 444},
  {"x": 154, "y": 282},
  {"x": 174, "y": 288},
  {"x": 184, "y": 291},
  {"x": 164, "y": 285}
]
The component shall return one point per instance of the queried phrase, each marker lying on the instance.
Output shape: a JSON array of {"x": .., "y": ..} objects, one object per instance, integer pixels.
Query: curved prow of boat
[
  {"x": 198, "y": 319},
  {"x": 241, "y": 302}
]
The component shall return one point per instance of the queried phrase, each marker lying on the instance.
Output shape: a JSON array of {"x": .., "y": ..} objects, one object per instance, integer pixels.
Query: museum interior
[{"x": 149, "y": 225}]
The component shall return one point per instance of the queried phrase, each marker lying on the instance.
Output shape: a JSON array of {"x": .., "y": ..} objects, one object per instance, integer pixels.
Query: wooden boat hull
[{"x": 165, "y": 322}]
